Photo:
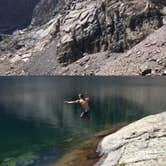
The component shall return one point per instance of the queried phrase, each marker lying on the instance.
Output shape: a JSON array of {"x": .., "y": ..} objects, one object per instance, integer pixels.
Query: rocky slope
[
  {"x": 141, "y": 143},
  {"x": 146, "y": 58},
  {"x": 63, "y": 32}
]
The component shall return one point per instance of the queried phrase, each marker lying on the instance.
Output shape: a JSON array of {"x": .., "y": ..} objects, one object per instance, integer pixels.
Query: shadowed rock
[{"x": 15, "y": 14}]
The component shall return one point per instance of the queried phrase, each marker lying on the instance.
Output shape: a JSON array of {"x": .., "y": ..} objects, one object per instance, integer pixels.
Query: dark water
[{"x": 37, "y": 128}]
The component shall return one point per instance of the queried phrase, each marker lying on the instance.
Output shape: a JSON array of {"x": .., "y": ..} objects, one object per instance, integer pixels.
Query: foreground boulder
[{"x": 141, "y": 143}]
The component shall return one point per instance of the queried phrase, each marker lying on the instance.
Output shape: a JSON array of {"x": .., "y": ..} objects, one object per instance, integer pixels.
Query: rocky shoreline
[
  {"x": 140, "y": 143},
  {"x": 137, "y": 144},
  {"x": 85, "y": 153}
]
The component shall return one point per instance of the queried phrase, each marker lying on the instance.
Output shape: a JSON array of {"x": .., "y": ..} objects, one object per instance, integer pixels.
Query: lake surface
[{"x": 37, "y": 128}]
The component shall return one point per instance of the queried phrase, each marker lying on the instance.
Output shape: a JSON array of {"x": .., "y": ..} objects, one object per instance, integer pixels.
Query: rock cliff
[
  {"x": 141, "y": 143},
  {"x": 146, "y": 58},
  {"x": 62, "y": 32}
]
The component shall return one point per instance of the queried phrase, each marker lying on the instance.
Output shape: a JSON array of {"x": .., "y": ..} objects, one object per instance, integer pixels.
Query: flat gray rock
[{"x": 140, "y": 143}]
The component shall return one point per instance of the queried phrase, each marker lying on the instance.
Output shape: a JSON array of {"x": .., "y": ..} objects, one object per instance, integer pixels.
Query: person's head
[{"x": 81, "y": 96}]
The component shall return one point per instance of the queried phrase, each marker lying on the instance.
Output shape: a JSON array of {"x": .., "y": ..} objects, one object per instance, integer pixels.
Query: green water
[{"x": 37, "y": 128}]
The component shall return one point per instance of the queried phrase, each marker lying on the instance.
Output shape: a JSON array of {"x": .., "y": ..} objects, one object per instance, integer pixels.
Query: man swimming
[{"x": 84, "y": 102}]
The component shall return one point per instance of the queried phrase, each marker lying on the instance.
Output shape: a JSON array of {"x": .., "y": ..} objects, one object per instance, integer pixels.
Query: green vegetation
[
  {"x": 9, "y": 162},
  {"x": 122, "y": 164},
  {"x": 5, "y": 38}
]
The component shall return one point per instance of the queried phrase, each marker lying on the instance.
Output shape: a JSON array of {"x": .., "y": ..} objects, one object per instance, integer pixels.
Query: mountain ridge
[{"x": 63, "y": 32}]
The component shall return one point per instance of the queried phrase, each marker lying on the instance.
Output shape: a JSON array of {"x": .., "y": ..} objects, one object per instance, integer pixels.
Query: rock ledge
[{"x": 138, "y": 144}]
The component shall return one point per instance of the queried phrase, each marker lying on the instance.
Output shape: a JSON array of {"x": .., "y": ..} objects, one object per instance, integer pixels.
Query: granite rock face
[
  {"x": 62, "y": 32},
  {"x": 140, "y": 143},
  {"x": 46, "y": 10},
  {"x": 87, "y": 26},
  {"x": 146, "y": 58},
  {"x": 94, "y": 26}
]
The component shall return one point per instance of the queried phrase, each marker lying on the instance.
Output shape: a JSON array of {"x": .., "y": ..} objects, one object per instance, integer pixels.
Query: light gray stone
[{"x": 140, "y": 143}]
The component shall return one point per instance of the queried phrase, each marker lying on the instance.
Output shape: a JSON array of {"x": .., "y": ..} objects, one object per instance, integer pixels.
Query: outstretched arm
[{"x": 72, "y": 102}]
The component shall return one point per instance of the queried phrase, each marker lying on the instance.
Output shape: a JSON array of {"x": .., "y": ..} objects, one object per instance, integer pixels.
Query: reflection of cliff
[
  {"x": 42, "y": 100},
  {"x": 33, "y": 108},
  {"x": 39, "y": 120},
  {"x": 147, "y": 93},
  {"x": 47, "y": 108}
]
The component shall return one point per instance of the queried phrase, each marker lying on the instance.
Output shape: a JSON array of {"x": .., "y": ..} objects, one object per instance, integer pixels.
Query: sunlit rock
[{"x": 140, "y": 143}]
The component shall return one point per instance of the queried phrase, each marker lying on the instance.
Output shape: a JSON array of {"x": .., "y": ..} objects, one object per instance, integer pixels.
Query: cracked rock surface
[
  {"x": 146, "y": 58},
  {"x": 140, "y": 143},
  {"x": 63, "y": 32}
]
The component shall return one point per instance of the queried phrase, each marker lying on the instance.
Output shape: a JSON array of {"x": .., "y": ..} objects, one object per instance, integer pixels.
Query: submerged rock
[{"x": 140, "y": 143}]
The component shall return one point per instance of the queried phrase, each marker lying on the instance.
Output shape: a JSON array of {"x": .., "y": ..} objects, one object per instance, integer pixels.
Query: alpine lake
[{"x": 37, "y": 128}]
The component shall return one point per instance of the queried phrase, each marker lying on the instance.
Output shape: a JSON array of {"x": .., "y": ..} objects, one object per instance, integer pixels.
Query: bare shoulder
[{"x": 87, "y": 98}]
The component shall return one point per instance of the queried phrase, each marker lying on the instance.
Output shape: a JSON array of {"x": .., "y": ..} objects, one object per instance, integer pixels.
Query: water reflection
[{"x": 33, "y": 115}]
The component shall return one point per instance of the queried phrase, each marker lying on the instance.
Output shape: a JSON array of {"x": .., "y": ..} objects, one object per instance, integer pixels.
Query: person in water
[{"x": 84, "y": 102}]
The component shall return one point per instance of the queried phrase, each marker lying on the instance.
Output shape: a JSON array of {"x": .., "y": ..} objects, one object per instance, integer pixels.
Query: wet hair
[{"x": 81, "y": 96}]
